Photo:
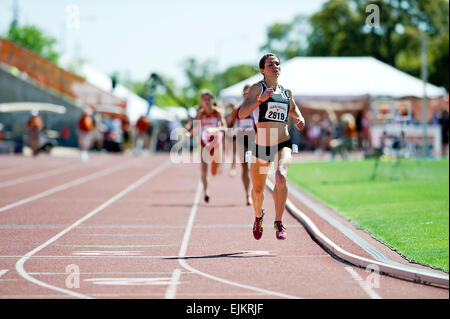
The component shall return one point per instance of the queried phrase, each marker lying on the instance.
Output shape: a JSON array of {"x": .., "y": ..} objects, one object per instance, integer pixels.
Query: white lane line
[
  {"x": 20, "y": 263},
  {"x": 91, "y": 256},
  {"x": 108, "y": 253},
  {"x": 103, "y": 273},
  {"x": 39, "y": 175},
  {"x": 15, "y": 168},
  {"x": 3, "y": 271},
  {"x": 64, "y": 186},
  {"x": 185, "y": 265},
  {"x": 130, "y": 281},
  {"x": 362, "y": 283},
  {"x": 174, "y": 281},
  {"x": 32, "y": 177}
]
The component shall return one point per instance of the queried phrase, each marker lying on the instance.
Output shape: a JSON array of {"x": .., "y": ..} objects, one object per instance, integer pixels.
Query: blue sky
[{"x": 137, "y": 37}]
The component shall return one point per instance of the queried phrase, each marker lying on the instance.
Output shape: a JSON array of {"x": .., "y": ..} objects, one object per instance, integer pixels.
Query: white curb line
[{"x": 396, "y": 271}]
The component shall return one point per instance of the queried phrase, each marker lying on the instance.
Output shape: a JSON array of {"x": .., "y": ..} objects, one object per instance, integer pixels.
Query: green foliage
[
  {"x": 200, "y": 75},
  {"x": 233, "y": 75},
  {"x": 288, "y": 40},
  {"x": 169, "y": 95},
  {"x": 335, "y": 31},
  {"x": 75, "y": 65},
  {"x": 203, "y": 75},
  {"x": 142, "y": 89},
  {"x": 409, "y": 213},
  {"x": 339, "y": 28},
  {"x": 34, "y": 39}
]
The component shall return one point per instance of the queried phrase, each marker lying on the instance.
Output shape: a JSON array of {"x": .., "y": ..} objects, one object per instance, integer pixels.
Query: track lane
[
  {"x": 32, "y": 223},
  {"x": 131, "y": 249},
  {"x": 20, "y": 263},
  {"x": 16, "y": 193}
]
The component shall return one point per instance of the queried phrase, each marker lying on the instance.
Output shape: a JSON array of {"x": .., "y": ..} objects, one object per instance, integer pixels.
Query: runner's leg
[
  {"x": 258, "y": 172},
  {"x": 280, "y": 192},
  {"x": 205, "y": 178},
  {"x": 246, "y": 181}
]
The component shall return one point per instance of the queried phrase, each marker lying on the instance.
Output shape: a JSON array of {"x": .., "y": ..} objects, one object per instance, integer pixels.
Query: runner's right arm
[{"x": 251, "y": 101}]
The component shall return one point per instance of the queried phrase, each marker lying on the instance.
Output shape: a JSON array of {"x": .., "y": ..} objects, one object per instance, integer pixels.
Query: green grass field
[{"x": 404, "y": 206}]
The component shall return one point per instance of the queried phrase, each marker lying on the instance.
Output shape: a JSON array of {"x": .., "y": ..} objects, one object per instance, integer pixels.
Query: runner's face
[
  {"x": 206, "y": 100},
  {"x": 272, "y": 67}
]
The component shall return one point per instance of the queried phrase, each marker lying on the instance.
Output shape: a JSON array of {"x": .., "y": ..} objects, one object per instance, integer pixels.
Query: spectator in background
[
  {"x": 436, "y": 118},
  {"x": 413, "y": 120},
  {"x": 358, "y": 123},
  {"x": 362, "y": 123},
  {"x": 326, "y": 125},
  {"x": 65, "y": 134},
  {"x": 126, "y": 131},
  {"x": 84, "y": 131},
  {"x": 337, "y": 137},
  {"x": 313, "y": 133},
  {"x": 443, "y": 121},
  {"x": 142, "y": 136},
  {"x": 35, "y": 126},
  {"x": 97, "y": 132},
  {"x": 350, "y": 134}
]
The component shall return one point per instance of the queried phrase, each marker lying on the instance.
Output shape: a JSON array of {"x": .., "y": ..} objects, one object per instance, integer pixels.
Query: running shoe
[
  {"x": 280, "y": 230},
  {"x": 258, "y": 226}
]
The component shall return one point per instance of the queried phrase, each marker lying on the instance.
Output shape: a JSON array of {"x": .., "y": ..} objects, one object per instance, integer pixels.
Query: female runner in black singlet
[{"x": 272, "y": 105}]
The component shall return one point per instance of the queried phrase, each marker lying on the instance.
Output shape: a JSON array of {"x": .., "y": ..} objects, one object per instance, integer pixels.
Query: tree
[
  {"x": 340, "y": 28},
  {"x": 34, "y": 39},
  {"x": 204, "y": 75},
  {"x": 288, "y": 40},
  {"x": 232, "y": 75}
]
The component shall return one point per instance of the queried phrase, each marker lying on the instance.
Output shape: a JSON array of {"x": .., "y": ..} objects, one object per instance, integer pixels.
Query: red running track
[{"x": 137, "y": 227}]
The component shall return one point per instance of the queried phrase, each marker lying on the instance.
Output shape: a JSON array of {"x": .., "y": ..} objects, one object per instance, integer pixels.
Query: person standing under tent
[
  {"x": 35, "y": 126},
  {"x": 142, "y": 135},
  {"x": 84, "y": 131}
]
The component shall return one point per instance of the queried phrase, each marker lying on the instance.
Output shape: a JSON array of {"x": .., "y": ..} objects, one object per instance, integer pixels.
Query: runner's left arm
[{"x": 294, "y": 112}]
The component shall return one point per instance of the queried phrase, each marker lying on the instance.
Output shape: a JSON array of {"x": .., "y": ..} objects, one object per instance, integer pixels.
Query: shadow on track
[{"x": 225, "y": 255}]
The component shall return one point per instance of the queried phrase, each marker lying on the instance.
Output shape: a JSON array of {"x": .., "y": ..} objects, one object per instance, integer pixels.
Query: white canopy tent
[
  {"x": 341, "y": 78},
  {"x": 325, "y": 85}
]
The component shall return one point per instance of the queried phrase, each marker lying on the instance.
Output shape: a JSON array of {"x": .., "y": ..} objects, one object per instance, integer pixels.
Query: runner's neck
[{"x": 272, "y": 84}]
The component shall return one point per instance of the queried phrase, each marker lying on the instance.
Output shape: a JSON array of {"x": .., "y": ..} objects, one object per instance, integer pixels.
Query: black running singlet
[{"x": 275, "y": 109}]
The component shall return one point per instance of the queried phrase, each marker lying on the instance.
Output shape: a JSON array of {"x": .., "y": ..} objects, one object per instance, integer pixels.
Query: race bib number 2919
[{"x": 276, "y": 111}]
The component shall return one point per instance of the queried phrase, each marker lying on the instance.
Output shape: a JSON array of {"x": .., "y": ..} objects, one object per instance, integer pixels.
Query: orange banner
[{"x": 49, "y": 75}]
